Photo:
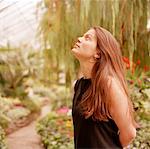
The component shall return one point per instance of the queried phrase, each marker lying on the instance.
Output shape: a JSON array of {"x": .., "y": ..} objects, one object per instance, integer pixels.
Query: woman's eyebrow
[{"x": 88, "y": 35}]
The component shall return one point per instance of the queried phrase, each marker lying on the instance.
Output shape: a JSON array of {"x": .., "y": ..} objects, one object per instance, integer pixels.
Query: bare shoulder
[
  {"x": 115, "y": 85},
  {"x": 118, "y": 101}
]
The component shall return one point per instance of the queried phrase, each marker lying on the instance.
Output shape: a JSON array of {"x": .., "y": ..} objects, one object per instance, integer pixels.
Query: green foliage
[
  {"x": 17, "y": 69},
  {"x": 139, "y": 79},
  {"x": 12, "y": 110},
  {"x": 142, "y": 140},
  {"x": 17, "y": 113},
  {"x": 63, "y": 21},
  {"x": 32, "y": 105},
  {"x": 56, "y": 131},
  {"x": 12, "y": 75},
  {"x": 60, "y": 96},
  {"x": 16, "y": 66},
  {"x": 141, "y": 100},
  {"x": 2, "y": 139},
  {"x": 4, "y": 120},
  {"x": 5, "y": 106}
]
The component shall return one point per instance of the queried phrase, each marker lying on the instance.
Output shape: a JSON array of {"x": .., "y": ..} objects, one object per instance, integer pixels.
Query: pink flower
[{"x": 63, "y": 110}]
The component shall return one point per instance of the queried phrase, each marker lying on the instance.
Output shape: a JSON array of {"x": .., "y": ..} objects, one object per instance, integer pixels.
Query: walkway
[{"x": 26, "y": 137}]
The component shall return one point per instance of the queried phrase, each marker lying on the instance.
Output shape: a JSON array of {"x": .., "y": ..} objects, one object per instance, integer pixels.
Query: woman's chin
[
  {"x": 75, "y": 52},
  {"x": 74, "y": 49}
]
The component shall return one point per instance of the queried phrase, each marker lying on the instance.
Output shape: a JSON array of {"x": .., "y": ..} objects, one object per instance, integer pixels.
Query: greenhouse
[{"x": 40, "y": 71}]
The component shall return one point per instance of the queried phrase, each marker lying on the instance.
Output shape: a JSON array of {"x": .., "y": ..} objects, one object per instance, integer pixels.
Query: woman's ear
[{"x": 96, "y": 56}]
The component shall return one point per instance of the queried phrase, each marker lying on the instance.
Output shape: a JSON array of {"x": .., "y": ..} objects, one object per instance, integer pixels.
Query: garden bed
[
  {"x": 15, "y": 114},
  {"x": 56, "y": 130}
]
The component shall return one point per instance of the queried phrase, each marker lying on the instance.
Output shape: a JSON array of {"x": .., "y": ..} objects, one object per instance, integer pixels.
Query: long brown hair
[{"x": 95, "y": 102}]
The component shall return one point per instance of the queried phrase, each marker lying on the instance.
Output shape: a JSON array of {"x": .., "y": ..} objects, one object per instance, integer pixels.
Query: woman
[{"x": 102, "y": 111}]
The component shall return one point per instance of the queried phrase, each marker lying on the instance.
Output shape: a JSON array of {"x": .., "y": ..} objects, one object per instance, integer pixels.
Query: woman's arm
[{"x": 119, "y": 110}]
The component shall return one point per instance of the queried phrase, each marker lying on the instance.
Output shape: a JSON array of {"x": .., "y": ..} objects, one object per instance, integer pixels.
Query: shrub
[
  {"x": 2, "y": 139},
  {"x": 60, "y": 96},
  {"x": 31, "y": 104},
  {"x": 4, "y": 120},
  {"x": 141, "y": 100},
  {"x": 142, "y": 140},
  {"x": 18, "y": 113},
  {"x": 56, "y": 131}
]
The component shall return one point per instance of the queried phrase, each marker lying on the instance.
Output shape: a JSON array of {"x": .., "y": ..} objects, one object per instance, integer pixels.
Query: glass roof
[{"x": 19, "y": 20}]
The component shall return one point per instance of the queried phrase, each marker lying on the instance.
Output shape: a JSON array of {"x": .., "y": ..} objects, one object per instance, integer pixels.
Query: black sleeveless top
[{"x": 89, "y": 134}]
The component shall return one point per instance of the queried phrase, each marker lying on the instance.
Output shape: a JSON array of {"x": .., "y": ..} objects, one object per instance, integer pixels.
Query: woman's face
[{"x": 85, "y": 47}]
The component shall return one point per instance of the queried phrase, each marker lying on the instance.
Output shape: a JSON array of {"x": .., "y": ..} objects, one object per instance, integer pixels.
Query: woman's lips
[{"x": 76, "y": 45}]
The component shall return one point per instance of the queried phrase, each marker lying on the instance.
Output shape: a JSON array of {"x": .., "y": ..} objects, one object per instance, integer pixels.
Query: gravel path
[{"x": 26, "y": 137}]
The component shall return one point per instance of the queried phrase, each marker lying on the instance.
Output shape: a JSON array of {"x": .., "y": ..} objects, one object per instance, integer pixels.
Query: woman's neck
[{"x": 86, "y": 69}]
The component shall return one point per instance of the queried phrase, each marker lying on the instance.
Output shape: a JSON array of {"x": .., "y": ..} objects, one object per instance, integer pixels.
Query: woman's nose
[{"x": 79, "y": 39}]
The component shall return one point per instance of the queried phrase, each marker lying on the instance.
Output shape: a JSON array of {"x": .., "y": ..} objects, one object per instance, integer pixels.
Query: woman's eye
[{"x": 87, "y": 38}]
